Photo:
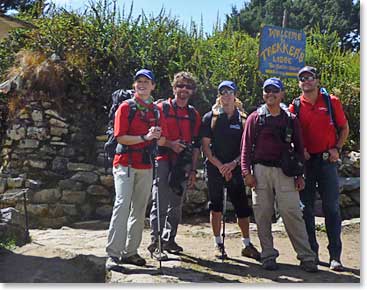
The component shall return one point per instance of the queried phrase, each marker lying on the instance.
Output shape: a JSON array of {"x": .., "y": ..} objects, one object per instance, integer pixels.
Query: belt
[
  {"x": 323, "y": 155},
  {"x": 269, "y": 163}
]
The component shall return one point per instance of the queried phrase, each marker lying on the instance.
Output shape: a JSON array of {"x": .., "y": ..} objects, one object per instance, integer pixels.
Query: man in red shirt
[
  {"x": 322, "y": 148},
  {"x": 132, "y": 170},
  {"x": 177, "y": 161}
]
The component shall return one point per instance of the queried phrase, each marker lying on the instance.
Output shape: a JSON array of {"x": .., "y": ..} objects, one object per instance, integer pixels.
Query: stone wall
[{"x": 49, "y": 151}]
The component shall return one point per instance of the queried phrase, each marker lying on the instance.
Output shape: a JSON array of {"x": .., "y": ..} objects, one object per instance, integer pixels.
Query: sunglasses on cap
[
  {"x": 271, "y": 89},
  {"x": 309, "y": 78},
  {"x": 226, "y": 91},
  {"x": 187, "y": 86}
]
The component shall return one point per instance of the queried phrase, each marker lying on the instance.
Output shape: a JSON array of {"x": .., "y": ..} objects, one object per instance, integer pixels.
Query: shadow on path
[
  {"x": 20, "y": 268},
  {"x": 286, "y": 273}
]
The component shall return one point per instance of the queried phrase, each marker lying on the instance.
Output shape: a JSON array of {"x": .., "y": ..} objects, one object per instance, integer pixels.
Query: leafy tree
[{"x": 341, "y": 16}]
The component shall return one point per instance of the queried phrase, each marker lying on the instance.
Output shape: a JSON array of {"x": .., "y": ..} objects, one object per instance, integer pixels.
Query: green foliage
[
  {"x": 8, "y": 243},
  {"x": 103, "y": 47}
]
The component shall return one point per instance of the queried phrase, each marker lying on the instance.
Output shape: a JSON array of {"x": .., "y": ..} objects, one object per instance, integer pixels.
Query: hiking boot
[
  {"x": 309, "y": 266},
  {"x": 220, "y": 252},
  {"x": 172, "y": 247},
  {"x": 135, "y": 260},
  {"x": 112, "y": 262},
  {"x": 336, "y": 266},
  {"x": 270, "y": 265},
  {"x": 159, "y": 256},
  {"x": 251, "y": 252},
  {"x": 152, "y": 247}
]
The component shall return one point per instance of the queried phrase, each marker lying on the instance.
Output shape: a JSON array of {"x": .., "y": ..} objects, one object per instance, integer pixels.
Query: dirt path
[{"x": 77, "y": 255}]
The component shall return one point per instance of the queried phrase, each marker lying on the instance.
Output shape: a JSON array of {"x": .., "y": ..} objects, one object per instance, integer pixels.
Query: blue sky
[{"x": 184, "y": 10}]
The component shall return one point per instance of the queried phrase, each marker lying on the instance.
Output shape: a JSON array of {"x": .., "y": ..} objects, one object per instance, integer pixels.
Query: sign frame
[{"x": 282, "y": 51}]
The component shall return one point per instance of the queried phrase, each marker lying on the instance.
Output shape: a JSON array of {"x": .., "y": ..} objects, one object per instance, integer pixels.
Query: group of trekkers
[{"x": 285, "y": 155}]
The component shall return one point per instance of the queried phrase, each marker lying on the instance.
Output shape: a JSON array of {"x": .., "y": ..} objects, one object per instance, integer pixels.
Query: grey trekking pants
[
  {"x": 170, "y": 205},
  {"x": 127, "y": 221}
]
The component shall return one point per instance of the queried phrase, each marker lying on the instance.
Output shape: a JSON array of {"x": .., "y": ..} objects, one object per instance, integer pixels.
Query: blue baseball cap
[
  {"x": 274, "y": 82},
  {"x": 228, "y": 84},
  {"x": 145, "y": 72}
]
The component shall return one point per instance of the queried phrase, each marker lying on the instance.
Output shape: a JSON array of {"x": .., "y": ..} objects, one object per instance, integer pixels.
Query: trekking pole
[
  {"x": 224, "y": 218},
  {"x": 155, "y": 183},
  {"x": 27, "y": 237}
]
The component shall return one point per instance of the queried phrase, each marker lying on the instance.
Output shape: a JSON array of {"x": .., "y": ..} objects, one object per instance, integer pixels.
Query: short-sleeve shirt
[
  {"x": 226, "y": 136},
  {"x": 319, "y": 133},
  {"x": 180, "y": 127},
  {"x": 139, "y": 125}
]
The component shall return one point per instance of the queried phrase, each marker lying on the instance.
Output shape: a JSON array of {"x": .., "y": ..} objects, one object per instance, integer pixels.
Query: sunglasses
[
  {"x": 309, "y": 78},
  {"x": 273, "y": 90},
  {"x": 228, "y": 92},
  {"x": 187, "y": 86}
]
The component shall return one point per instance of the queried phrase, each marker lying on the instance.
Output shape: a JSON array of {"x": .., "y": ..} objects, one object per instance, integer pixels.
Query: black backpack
[
  {"x": 117, "y": 98},
  {"x": 290, "y": 162}
]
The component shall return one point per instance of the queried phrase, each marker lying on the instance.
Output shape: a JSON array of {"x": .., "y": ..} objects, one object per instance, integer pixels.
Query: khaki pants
[
  {"x": 288, "y": 202},
  {"x": 127, "y": 221}
]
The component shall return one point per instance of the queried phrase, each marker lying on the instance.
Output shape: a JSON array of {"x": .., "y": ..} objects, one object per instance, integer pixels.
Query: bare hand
[
  {"x": 191, "y": 179},
  {"x": 299, "y": 182},
  {"x": 227, "y": 168},
  {"x": 306, "y": 154},
  {"x": 153, "y": 133},
  {"x": 177, "y": 146},
  {"x": 228, "y": 176},
  {"x": 334, "y": 155},
  {"x": 250, "y": 181}
]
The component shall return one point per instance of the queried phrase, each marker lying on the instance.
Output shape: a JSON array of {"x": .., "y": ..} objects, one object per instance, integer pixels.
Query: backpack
[
  {"x": 117, "y": 98},
  {"x": 215, "y": 116},
  {"x": 297, "y": 106},
  {"x": 191, "y": 113}
]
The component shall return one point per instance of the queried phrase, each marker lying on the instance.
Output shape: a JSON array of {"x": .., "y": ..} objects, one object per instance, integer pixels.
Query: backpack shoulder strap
[
  {"x": 260, "y": 124},
  {"x": 243, "y": 117},
  {"x": 165, "y": 108},
  {"x": 329, "y": 106},
  {"x": 156, "y": 114},
  {"x": 192, "y": 117},
  {"x": 214, "y": 120},
  {"x": 133, "y": 109},
  {"x": 297, "y": 106}
]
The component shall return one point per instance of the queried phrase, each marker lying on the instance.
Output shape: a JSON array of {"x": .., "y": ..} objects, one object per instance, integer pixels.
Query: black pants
[{"x": 235, "y": 188}]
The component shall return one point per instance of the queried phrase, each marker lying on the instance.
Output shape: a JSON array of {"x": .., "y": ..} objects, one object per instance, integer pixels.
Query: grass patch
[
  {"x": 320, "y": 228},
  {"x": 8, "y": 243}
]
